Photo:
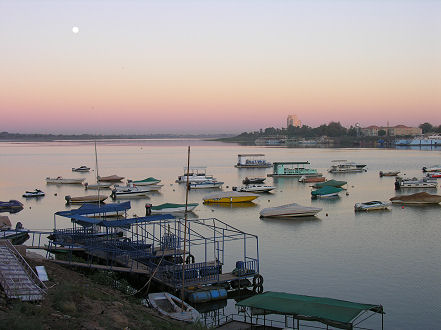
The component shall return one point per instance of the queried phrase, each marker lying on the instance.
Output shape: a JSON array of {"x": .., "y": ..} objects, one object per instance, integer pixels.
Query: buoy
[
  {"x": 347, "y": 194},
  {"x": 402, "y": 207},
  {"x": 227, "y": 187},
  {"x": 326, "y": 214},
  {"x": 55, "y": 194},
  {"x": 268, "y": 200},
  {"x": 173, "y": 190}
]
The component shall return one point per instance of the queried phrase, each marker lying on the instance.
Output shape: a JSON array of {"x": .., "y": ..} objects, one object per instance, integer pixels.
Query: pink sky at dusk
[{"x": 216, "y": 66}]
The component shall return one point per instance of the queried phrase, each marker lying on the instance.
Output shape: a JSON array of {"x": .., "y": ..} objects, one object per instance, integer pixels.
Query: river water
[{"x": 391, "y": 258}]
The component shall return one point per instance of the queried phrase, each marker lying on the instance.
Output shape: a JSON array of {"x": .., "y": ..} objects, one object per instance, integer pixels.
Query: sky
[{"x": 141, "y": 67}]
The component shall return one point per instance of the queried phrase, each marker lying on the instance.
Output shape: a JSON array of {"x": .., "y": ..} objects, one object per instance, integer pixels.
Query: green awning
[{"x": 334, "y": 312}]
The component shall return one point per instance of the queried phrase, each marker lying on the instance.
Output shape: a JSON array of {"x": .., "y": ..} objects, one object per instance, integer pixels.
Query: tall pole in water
[
  {"x": 96, "y": 174},
  {"x": 185, "y": 228}
]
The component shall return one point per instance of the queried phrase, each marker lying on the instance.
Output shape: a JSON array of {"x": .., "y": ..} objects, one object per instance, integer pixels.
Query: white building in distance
[{"x": 292, "y": 120}]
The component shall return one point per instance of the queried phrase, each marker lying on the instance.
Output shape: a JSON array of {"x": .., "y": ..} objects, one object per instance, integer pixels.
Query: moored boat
[
  {"x": 171, "y": 208},
  {"x": 98, "y": 185},
  {"x": 17, "y": 236},
  {"x": 289, "y": 210},
  {"x": 343, "y": 166},
  {"x": 145, "y": 182},
  {"x": 35, "y": 193},
  {"x": 230, "y": 197},
  {"x": 330, "y": 183},
  {"x": 418, "y": 198},
  {"x": 13, "y": 206},
  {"x": 195, "y": 174},
  {"x": 371, "y": 206},
  {"x": 252, "y": 161},
  {"x": 85, "y": 199},
  {"x": 433, "y": 175},
  {"x": 171, "y": 306},
  {"x": 61, "y": 180},
  {"x": 311, "y": 179},
  {"x": 208, "y": 184},
  {"x": 110, "y": 178},
  {"x": 292, "y": 169},
  {"x": 255, "y": 188},
  {"x": 81, "y": 169},
  {"x": 390, "y": 173},
  {"x": 415, "y": 183},
  {"x": 248, "y": 180},
  {"x": 434, "y": 168},
  {"x": 327, "y": 191},
  {"x": 128, "y": 191}
]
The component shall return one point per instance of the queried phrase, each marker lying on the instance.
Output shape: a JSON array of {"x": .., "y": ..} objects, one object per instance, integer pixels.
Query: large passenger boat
[
  {"x": 295, "y": 169},
  {"x": 432, "y": 140}
]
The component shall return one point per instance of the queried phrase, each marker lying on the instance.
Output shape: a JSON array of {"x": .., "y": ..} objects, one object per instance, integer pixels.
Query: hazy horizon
[{"x": 212, "y": 67}]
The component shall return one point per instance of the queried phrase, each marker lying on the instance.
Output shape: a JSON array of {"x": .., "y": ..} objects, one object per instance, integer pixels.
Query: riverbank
[{"x": 78, "y": 301}]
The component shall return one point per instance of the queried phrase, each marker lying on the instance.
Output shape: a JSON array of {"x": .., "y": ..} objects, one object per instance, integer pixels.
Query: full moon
[{"x": 75, "y": 29}]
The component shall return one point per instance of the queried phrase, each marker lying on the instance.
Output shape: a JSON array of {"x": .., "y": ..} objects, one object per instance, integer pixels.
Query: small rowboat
[
  {"x": 61, "y": 180},
  {"x": 81, "y": 169},
  {"x": 98, "y": 185},
  {"x": 171, "y": 306},
  {"x": 371, "y": 206},
  {"x": 13, "y": 206},
  {"x": 170, "y": 208},
  {"x": 35, "y": 193},
  {"x": 110, "y": 178},
  {"x": 418, "y": 198},
  {"x": 248, "y": 180},
  {"x": 206, "y": 184},
  {"x": 85, "y": 199},
  {"x": 289, "y": 211},
  {"x": 254, "y": 188},
  {"x": 309, "y": 179},
  {"x": 129, "y": 191}
]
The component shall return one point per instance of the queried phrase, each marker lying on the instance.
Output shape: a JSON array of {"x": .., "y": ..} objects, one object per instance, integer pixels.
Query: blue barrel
[
  {"x": 218, "y": 294},
  {"x": 199, "y": 297}
]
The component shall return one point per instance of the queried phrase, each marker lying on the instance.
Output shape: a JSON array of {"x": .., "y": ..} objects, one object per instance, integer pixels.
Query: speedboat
[
  {"x": 61, "y": 180},
  {"x": 35, "y": 193},
  {"x": 289, "y": 210},
  {"x": 170, "y": 208},
  {"x": 230, "y": 197},
  {"x": 145, "y": 182},
  {"x": 256, "y": 188},
  {"x": 327, "y": 191},
  {"x": 206, "y": 184},
  {"x": 248, "y": 180},
  {"x": 434, "y": 175},
  {"x": 418, "y": 198},
  {"x": 390, "y": 173},
  {"x": 13, "y": 206},
  {"x": 372, "y": 205},
  {"x": 81, "y": 169},
  {"x": 344, "y": 166},
  {"x": 434, "y": 168},
  {"x": 415, "y": 183},
  {"x": 171, "y": 306},
  {"x": 85, "y": 199},
  {"x": 128, "y": 191},
  {"x": 195, "y": 174},
  {"x": 310, "y": 179},
  {"x": 110, "y": 178}
]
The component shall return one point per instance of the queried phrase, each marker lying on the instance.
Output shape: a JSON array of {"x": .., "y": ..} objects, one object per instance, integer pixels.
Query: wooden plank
[{"x": 102, "y": 267}]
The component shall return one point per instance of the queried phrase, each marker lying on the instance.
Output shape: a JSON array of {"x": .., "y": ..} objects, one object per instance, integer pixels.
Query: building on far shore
[
  {"x": 398, "y": 130},
  {"x": 292, "y": 120}
]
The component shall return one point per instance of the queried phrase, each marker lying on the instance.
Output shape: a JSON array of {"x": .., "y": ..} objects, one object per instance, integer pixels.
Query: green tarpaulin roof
[{"x": 334, "y": 312}]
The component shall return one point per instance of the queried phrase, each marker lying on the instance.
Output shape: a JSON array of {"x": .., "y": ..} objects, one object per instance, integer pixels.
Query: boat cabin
[
  {"x": 252, "y": 161},
  {"x": 286, "y": 169}
]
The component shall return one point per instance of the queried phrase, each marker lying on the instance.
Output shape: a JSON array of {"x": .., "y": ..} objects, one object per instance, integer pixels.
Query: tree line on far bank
[{"x": 333, "y": 129}]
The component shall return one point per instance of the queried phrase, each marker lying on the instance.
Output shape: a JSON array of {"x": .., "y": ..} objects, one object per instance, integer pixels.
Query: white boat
[
  {"x": 98, "y": 185},
  {"x": 289, "y": 211},
  {"x": 252, "y": 161},
  {"x": 343, "y": 166},
  {"x": 415, "y": 183},
  {"x": 61, "y": 180},
  {"x": 433, "y": 140},
  {"x": 110, "y": 178},
  {"x": 418, "y": 198},
  {"x": 170, "y": 208},
  {"x": 145, "y": 182},
  {"x": 208, "y": 184},
  {"x": 195, "y": 174},
  {"x": 434, "y": 168},
  {"x": 255, "y": 188},
  {"x": 434, "y": 175},
  {"x": 35, "y": 193},
  {"x": 127, "y": 191},
  {"x": 81, "y": 169},
  {"x": 171, "y": 306},
  {"x": 372, "y": 205}
]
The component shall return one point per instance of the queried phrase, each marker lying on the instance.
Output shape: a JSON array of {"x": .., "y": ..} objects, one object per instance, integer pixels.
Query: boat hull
[
  {"x": 236, "y": 199},
  {"x": 65, "y": 181}
]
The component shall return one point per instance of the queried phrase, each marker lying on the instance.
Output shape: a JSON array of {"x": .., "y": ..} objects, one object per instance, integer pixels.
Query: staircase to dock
[{"x": 17, "y": 278}]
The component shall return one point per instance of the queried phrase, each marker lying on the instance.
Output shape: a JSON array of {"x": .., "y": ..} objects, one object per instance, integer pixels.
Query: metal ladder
[{"x": 16, "y": 276}]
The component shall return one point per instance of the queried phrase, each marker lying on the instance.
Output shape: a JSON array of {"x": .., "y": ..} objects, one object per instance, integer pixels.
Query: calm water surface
[{"x": 390, "y": 258}]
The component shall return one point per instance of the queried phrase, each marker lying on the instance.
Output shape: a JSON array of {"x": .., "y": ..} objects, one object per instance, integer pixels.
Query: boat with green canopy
[
  {"x": 170, "y": 208},
  {"x": 336, "y": 313},
  {"x": 330, "y": 183},
  {"x": 327, "y": 191},
  {"x": 145, "y": 182}
]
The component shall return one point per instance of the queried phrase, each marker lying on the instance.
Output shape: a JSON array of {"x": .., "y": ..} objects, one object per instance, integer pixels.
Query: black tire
[{"x": 190, "y": 259}]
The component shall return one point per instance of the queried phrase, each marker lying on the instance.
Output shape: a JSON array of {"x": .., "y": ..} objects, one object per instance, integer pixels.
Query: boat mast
[
  {"x": 185, "y": 228},
  {"x": 96, "y": 174}
]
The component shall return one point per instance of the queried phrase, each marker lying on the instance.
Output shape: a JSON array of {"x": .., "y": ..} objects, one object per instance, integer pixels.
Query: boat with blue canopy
[{"x": 326, "y": 191}]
